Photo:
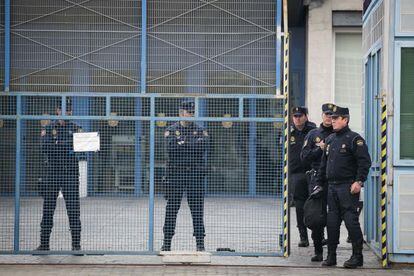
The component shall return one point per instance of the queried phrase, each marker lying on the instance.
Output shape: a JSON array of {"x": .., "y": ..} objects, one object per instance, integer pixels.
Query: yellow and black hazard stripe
[
  {"x": 286, "y": 131},
  {"x": 384, "y": 253}
]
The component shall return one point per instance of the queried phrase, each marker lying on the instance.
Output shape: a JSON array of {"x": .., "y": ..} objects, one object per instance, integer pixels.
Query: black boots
[
  {"x": 331, "y": 258},
  {"x": 200, "y": 244},
  {"x": 304, "y": 242},
  {"x": 76, "y": 240},
  {"x": 318, "y": 257},
  {"x": 166, "y": 246},
  {"x": 356, "y": 259},
  {"x": 44, "y": 241}
]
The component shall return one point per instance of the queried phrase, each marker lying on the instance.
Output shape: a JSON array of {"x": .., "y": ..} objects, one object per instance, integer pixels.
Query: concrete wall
[{"x": 320, "y": 55}]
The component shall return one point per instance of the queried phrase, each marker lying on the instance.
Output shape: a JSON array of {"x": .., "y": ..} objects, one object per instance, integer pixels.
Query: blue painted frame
[
  {"x": 397, "y": 14},
  {"x": 372, "y": 6},
  {"x": 7, "y": 46},
  {"x": 397, "y": 103}
]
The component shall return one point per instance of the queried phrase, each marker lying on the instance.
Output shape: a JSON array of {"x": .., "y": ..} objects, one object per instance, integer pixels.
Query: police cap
[
  {"x": 299, "y": 110},
  {"x": 328, "y": 108},
  {"x": 187, "y": 106},
  {"x": 340, "y": 112}
]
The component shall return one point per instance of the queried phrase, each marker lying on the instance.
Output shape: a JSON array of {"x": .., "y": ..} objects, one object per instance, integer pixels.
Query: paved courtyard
[{"x": 115, "y": 230}]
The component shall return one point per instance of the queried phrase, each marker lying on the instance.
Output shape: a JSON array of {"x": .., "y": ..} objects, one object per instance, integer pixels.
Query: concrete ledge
[{"x": 185, "y": 257}]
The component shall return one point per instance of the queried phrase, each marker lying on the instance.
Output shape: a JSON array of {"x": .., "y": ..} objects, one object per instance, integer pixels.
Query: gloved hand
[{"x": 316, "y": 192}]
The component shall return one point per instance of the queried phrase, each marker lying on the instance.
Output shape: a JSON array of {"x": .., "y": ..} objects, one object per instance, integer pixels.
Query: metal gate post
[
  {"x": 16, "y": 246},
  {"x": 151, "y": 180}
]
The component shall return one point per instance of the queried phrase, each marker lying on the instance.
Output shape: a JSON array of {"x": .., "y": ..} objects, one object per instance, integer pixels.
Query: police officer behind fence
[
  {"x": 298, "y": 184},
  {"x": 311, "y": 154},
  {"x": 186, "y": 145},
  {"x": 344, "y": 167},
  {"x": 61, "y": 174}
]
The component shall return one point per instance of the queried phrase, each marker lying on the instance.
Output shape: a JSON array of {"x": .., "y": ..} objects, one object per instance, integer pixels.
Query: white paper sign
[{"x": 86, "y": 141}]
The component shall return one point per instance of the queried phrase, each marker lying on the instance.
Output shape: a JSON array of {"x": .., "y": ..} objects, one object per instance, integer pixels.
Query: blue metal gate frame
[{"x": 19, "y": 116}]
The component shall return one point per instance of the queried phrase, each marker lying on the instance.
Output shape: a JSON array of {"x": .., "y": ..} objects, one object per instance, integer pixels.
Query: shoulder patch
[
  {"x": 317, "y": 139},
  {"x": 43, "y": 132},
  {"x": 177, "y": 133},
  {"x": 205, "y": 133},
  {"x": 360, "y": 142},
  {"x": 167, "y": 133}
]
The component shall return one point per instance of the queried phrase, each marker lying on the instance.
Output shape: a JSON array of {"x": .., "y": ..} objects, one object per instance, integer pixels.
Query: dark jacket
[
  {"x": 297, "y": 138},
  {"x": 345, "y": 159},
  {"x": 311, "y": 154}
]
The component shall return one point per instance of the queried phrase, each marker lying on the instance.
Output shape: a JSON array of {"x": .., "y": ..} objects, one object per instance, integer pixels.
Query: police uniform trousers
[
  {"x": 317, "y": 233},
  {"x": 342, "y": 205},
  {"x": 63, "y": 178},
  {"x": 182, "y": 180},
  {"x": 301, "y": 193}
]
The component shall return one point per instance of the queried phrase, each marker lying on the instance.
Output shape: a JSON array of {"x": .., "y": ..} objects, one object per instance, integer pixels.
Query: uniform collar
[
  {"x": 344, "y": 130},
  {"x": 326, "y": 128}
]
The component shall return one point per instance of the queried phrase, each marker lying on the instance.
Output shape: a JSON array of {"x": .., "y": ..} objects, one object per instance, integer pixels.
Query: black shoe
[
  {"x": 354, "y": 262},
  {"x": 317, "y": 258},
  {"x": 76, "y": 248},
  {"x": 324, "y": 242},
  {"x": 330, "y": 260},
  {"x": 166, "y": 247},
  {"x": 43, "y": 247},
  {"x": 303, "y": 243},
  {"x": 356, "y": 259},
  {"x": 200, "y": 244}
]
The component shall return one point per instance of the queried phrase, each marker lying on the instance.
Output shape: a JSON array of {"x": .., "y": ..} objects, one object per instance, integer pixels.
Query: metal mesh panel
[
  {"x": 234, "y": 181},
  {"x": 85, "y": 46},
  {"x": 114, "y": 221},
  {"x": 232, "y": 190},
  {"x": 211, "y": 46},
  {"x": 7, "y": 182}
]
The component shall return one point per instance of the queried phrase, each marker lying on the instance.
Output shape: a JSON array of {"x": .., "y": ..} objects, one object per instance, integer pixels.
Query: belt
[{"x": 338, "y": 182}]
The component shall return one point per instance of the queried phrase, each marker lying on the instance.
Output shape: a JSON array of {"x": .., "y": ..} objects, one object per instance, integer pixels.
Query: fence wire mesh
[
  {"x": 211, "y": 46},
  {"x": 217, "y": 179},
  {"x": 208, "y": 178}
]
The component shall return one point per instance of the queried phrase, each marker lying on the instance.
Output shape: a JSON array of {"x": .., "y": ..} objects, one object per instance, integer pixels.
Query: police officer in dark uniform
[
  {"x": 311, "y": 154},
  {"x": 186, "y": 145},
  {"x": 344, "y": 168},
  {"x": 62, "y": 174},
  {"x": 298, "y": 184}
]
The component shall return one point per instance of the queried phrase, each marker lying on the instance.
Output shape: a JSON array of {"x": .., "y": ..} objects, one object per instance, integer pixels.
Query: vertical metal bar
[
  {"x": 151, "y": 186},
  {"x": 278, "y": 43},
  {"x": 143, "y": 46},
  {"x": 138, "y": 149},
  {"x": 63, "y": 105},
  {"x": 286, "y": 215},
  {"x": 241, "y": 107},
  {"x": 7, "y": 46},
  {"x": 17, "y": 178},
  {"x": 108, "y": 105},
  {"x": 252, "y": 149}
]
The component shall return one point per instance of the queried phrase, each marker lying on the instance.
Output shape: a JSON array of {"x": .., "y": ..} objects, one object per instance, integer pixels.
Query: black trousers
[
  {"x": 342, "y": 205},
  {"x": 191, "y": 182},
  {"x": 67, "y": 181},
  {"x": 301, "y": 193}
]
